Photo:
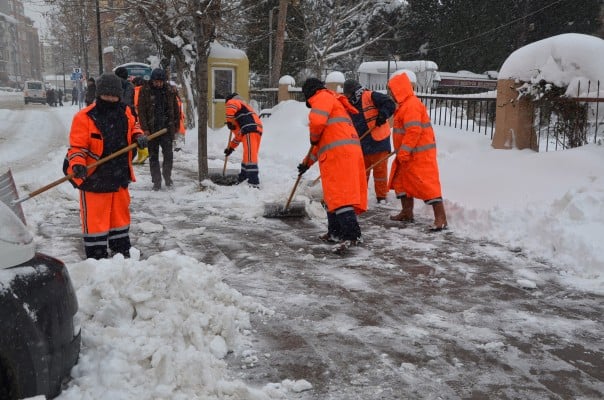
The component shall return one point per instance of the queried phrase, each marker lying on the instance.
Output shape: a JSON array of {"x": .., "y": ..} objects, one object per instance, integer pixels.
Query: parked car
[
  {"x": 40, "y": 336},
  {"x": 34, "y": 92}
]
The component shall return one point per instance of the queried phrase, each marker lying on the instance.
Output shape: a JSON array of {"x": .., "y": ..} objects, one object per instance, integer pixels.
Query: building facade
[{"x": 20, "y": 55}]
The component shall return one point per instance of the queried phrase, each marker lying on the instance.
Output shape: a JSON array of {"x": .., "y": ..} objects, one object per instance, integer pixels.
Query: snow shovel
[
  {"x": 8, "y": 194},
  {"x": 313, "y": 183},
  {"x": 291, "y": 210},
  {"x": 223, "y": 178},
  {"x": 93, "y": 165}
]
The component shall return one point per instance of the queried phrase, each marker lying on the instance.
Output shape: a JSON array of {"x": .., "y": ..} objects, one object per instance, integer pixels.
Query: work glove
[
  {"x": 228, "y": 151},
  {"x": 141, "y": 141},
  {"x": 231, "y": 125},
  {"x": 302, "y": 168},
  {"x": 381, "y": 119},
  {"x": 79, "y": 171}
]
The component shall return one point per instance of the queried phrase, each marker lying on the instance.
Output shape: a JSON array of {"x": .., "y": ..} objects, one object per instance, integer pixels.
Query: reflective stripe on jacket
[
  {"x": 86, "y": 141},
  {"x": 338, "y": 150},
  {"x": 370, "y": 113},
  {"x": 242, "y": 116},
  {"x": 415, "y": 170}
]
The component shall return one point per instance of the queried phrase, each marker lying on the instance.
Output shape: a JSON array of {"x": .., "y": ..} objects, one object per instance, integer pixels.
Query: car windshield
[{"x": 34, "y": 85}]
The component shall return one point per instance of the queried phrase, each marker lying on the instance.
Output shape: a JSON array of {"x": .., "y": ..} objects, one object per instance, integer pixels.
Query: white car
[{"x": 34, "y": 92}]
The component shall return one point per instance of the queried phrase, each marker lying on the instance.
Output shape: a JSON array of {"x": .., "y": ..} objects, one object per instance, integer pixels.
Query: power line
[{"x": 490, "y": 30}]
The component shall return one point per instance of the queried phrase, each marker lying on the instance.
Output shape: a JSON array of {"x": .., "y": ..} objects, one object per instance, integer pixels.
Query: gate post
[{"x": 513, "y": 119}]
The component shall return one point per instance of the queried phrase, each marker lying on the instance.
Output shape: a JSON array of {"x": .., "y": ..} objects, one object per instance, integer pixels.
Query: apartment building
[{"x": 20, "y": 55}]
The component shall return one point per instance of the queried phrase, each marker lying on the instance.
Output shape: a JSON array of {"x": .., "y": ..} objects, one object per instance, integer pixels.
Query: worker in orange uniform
[
  {"x": 337, "y": 147},
  {"x": 372, "y": 126},
  {"x": 414, "y": 172},
  {"x": 101, "y": 129},
  {"x": 247, "y": 129}
]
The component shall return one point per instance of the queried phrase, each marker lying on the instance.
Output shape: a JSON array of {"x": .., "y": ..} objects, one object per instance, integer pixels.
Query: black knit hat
[
  {"x": 158, "y": 74},
  {"x": 230, "y": 96},
  {"x": 311, "y": 86},
  {"x": 122, "y": 72},
  {"x": 350, "y": 86},
  {"x": 109, "y": 84}
]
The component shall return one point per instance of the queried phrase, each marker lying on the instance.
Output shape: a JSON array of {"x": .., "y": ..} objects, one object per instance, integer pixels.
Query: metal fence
[
  {"x": 565, "y": 122},
  {"x": 472, "y": 113}
]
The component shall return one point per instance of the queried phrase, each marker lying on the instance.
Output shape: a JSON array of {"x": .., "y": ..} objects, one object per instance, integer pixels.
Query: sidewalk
[{"x": 440, "y": 318}]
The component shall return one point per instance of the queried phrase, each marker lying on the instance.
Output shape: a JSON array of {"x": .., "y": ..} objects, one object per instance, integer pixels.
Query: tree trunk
[
  {"x": 201, "y": 74},
  {"x": 279, "y": 43}
]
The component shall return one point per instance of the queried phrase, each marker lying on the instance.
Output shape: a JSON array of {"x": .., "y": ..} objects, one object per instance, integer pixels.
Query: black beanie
[
  {"x": 110, "y": 85},
  {"x": 350, "y": 86},
  {"x": 311, "y": 86},
  {"x": 158, "y": 74},
  {"x": 122, "y": 72},
  {"x": 230, "y": 96}
]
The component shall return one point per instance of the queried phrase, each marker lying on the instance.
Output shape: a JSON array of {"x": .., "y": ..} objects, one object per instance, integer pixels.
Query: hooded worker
[
  {"x": 97, "y": 131},
  {"x": 414, "y": 172},
  {"x": 336, "y": 145}
]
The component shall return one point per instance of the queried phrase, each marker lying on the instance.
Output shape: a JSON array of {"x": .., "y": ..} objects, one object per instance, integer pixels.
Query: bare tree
[{"x": 335, "y": 28}]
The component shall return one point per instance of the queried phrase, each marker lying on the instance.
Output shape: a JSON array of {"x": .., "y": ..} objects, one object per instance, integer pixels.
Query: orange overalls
[
  {"x": 104, "y": 196},
  {"x": 247, "y": 130}
]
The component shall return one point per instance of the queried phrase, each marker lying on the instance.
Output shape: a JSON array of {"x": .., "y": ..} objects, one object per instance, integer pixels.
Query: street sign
[{"x": 76, "y": 76}]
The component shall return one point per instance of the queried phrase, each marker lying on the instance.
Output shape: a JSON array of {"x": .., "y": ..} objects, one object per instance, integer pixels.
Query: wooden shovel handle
[
  {"x": 291, "y": 195},
  {"x": 225, "y": 156},
  {"x": 93, "y": 165}
]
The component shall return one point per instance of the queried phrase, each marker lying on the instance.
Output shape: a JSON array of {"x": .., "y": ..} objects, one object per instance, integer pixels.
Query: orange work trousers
[
  {"x": 380, "y": 172},
  {"x": 105, "y": 222}
]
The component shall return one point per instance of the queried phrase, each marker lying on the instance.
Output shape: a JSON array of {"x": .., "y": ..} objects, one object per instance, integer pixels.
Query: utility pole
[{"x": 98, "y": 36}]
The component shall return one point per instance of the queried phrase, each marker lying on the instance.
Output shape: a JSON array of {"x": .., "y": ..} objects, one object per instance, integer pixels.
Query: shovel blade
[
  {"x": 295, "y": 210},
  {"x": 228, "y": 178},
  {"x": 9, "y": 195}
]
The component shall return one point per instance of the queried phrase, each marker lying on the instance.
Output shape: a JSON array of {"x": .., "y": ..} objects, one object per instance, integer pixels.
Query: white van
[{"x": 34, "y": 92}]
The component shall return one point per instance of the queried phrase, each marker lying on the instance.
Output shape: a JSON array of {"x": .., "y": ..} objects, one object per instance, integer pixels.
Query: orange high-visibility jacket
[
  {"x": 245, "y": 120},
  {"x": 86, "y": 141},
  {"x": 415, "y": 170},
  {"x": 181, "y": 125},
  {"x": 338, "y": 150},
  {"x": 370, "y": 113},
  {"x": 137, "y": 92}
]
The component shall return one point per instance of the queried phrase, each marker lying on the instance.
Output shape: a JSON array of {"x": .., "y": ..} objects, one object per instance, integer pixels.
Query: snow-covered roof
[
  {"x": 559, "y": 60},
  {"x": 219, "y": 51},
  {"x": 382, "y": 67}
]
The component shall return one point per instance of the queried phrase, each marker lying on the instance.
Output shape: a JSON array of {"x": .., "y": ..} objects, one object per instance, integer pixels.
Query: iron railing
[
  {"x": 570, "y": 121},
  {"x": 476, "y": 113}
]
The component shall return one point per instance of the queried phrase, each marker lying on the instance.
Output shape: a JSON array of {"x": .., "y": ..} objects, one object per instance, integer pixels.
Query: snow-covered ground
[{"x": 160, "y": 326}]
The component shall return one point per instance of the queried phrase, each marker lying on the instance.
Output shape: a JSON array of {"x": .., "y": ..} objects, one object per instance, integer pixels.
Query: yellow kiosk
[{"x": 228, "y": 71}]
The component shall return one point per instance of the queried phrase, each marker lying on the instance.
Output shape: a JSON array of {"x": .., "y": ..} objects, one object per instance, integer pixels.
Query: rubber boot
[
  {"x": 440, "y": 218},
  {"x": 406, "y": 214}
]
